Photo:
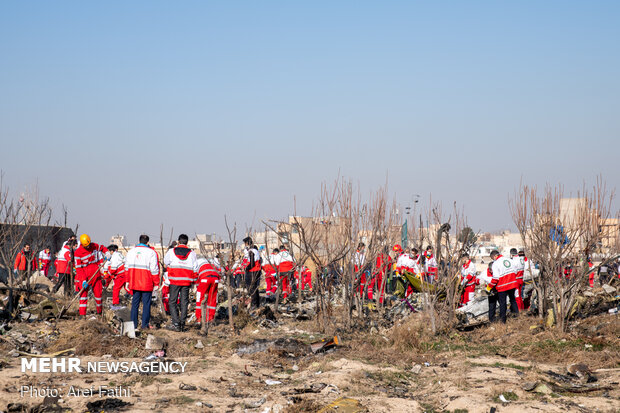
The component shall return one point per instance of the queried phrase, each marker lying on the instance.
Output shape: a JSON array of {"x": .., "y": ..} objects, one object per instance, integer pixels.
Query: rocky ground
[{"x": 380, "y": 367}]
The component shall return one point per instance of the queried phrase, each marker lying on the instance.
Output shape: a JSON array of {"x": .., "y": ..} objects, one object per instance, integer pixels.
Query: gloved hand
[
  {"x": 108, "y": 255},
  {"x": 15, "y": 271},
  {"x": 489, "y": 288},
  {"x": 84, "y": 284}
]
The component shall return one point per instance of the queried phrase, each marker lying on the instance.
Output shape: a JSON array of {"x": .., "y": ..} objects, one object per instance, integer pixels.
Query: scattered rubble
[
  {"x": 285, "y": 346},
  {"x": 107, "y": 405}
]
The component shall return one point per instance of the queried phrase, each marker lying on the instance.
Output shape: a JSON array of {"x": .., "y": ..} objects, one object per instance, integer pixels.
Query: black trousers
[
  {"x": 64, "y": 280},
  {"x": 502, "y": 303},
  {"x": 252, "y": 281},
  {"x": 178, "y": 315},
  {"x": 492, "y": 306}
]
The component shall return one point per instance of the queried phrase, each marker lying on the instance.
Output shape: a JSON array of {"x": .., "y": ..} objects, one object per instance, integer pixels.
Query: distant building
[{"x": 118, "y": 240}]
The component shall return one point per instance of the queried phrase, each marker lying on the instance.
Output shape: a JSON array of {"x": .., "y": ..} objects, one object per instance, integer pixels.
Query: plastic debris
[
  {"x": 344, "y": 405},
  {"x": 325, "y": 344}
]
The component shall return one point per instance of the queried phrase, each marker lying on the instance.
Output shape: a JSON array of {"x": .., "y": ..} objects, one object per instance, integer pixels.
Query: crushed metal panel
[{"x": 344, "y": 405}]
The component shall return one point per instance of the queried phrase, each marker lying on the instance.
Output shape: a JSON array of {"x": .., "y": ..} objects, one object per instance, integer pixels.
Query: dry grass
[
  {"x": 303, "y": 406},
  {"x": 95, "y": 338}
]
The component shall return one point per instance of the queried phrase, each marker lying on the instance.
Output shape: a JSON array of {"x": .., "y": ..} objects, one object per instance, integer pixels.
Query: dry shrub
[
  {"x": 409, "y": 334},
  {"x": 303, "y": 406},
  {"x": 242, "y": 319},
  {"x": 94, "y": 338}
]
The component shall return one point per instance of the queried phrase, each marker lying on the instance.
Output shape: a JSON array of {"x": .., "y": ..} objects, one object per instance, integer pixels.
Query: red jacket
[
  {"x": 142, "y": 268},
  {"x": 21, "y": 261},
  {"x": 269, "y": 270},
  {"x": 208, "y": 270},
  {"x": 182, "y": 265},
  {"x": 471, "y": 279},
  {"x": 63, "y": 259},
  {"x": 384, "y": 262},
  {"x": 87, "y": 261},
  {"x": 252, "y": 260},
  {"x": 504, "y": 277}
]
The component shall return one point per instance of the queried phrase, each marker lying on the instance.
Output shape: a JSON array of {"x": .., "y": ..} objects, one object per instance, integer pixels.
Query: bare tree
[
  {"x": 24, "y": 219},
  {"x": 559, "y": 232}
]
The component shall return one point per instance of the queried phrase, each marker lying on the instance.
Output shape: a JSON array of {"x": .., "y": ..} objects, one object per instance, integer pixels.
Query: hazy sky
[{"x": 143, "y": 112}]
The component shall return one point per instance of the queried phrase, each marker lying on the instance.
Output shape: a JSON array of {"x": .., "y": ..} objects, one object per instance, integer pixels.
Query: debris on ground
[
  {"x": 325, "y": 344},
  {"x": 344, "y": 405},
  {"x": 286, "y": 346},
  {"x": 189, "y": 387},
  {"x": 157, "y": 355},
  {"x": 582, "y": 371},
  {"x": 254, "y": 404},
  {"x": 313, "y": 388},
  {"x": 155, "y": 343},
  {"x": 128, "y": 329},
  {"x": 107, "y": 405}
]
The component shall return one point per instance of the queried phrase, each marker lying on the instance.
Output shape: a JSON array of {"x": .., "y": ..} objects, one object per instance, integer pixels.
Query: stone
[
  {"x": 543, "y": 389},
  {"x": 154, "y": 343}
]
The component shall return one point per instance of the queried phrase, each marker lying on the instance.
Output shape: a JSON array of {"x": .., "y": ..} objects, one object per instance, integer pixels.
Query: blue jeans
[{"x": 145, "y": 297}]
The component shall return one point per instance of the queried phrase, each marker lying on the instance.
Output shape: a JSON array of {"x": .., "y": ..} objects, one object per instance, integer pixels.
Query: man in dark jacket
[{"x": 252, "y": 264}]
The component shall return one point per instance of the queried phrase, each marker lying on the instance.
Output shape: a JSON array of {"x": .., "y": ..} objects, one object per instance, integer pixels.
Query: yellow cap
[{"x": 85, "y": 240}]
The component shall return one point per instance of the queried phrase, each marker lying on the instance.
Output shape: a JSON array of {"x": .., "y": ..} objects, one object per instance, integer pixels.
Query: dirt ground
[{"x": 402, "y": 368}]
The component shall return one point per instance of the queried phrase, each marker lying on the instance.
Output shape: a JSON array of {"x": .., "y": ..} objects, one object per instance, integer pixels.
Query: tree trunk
[
  {"x": 229, "y": 296},
  {"x": 278, "y": 292}
]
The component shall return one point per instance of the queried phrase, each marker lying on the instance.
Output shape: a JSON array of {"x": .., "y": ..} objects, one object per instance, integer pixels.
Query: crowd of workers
[{"x": 85, "y": 267}]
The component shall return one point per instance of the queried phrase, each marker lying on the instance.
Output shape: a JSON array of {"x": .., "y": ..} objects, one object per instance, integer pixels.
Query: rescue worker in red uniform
[
  {"x": 504, "y": 282},
  {"x": 405, "y": 263},
  {"x": 182, "y": 272},
  {"x": 492, "y": 297},
  {"x": 285, "y": 263},
  {"x": 383, "y": 264},
  {"x": 88, "y": 258},
  {"x": 519, "y": 262},
  {"x": 431, "y": 273},
  {"x": 238, "y": 274},
  {"x": 117, "y": 272},
  {"x": 270, "y": 273},
  {"x": 45, "y": 258},
  {"x": 209, "y": 273},
  {"x": 252, "y": 265},
  {"x": 142, "y": 266},
  {"x": 64, "y": 266},
  {"x": 359, "y": 266},
  {"x": 165, "y": 294},
  {"x": 305, "y": 278},
  {"x": 591, "y": 273},
  {"x": 468, "y": 280}
]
